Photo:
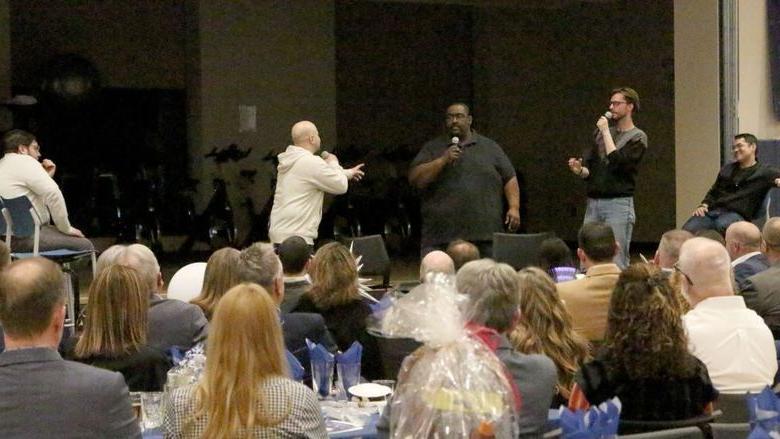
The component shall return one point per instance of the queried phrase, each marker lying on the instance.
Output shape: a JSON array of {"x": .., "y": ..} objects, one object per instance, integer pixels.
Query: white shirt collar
[{"x": 743, "y": 258}]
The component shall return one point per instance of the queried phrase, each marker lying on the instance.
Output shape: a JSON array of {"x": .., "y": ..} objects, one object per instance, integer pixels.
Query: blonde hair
[
  {"x": 545, "y": 327},
  {"x": 334, "y": 276},
  {"x": 221, "y": 275},
  {"x": 116, "y": 314},
  {"x": 245, "y": 348}
]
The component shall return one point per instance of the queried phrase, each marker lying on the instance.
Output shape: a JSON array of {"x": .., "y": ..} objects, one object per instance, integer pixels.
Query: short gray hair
[
  {"x": 259, "y": 264},
  {"x": 493, "y": 291},
  {"x": 140, "y": 258},
  {"x": 108, "y": 257}
]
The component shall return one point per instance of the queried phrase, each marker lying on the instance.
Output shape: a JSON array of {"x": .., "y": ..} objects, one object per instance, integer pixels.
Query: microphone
[
  {"x": 324, "y": 154},
  {"x": 455, "y": 140},
  {"x": 608, "y": 115}
]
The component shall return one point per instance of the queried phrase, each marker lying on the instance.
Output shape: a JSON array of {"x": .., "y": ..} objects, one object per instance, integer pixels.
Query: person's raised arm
[{"x": 422, "y": 175}]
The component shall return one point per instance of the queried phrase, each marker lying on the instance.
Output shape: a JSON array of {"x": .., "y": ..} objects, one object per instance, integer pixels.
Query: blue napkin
[
  {"x": 296, "y": 370},
  {"x": 764, "y": 410},
  {"x": 322, "y": 363},
  {"x": 348, "y": 365},
  {"x": 352, "y": 355},
  {"x": 595, "y": 423},
  {"x": 379, "y": 307}
]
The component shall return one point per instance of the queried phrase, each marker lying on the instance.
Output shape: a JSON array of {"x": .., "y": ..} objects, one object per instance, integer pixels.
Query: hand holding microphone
[
  {"x": 603, "y": 122},
  {"x": 454, "y": 151}
]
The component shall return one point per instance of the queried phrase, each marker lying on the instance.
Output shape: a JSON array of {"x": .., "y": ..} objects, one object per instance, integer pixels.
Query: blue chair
[{"x": 21, "y": 220}]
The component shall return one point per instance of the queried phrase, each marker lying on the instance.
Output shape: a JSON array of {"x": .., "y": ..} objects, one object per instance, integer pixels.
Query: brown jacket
[{"x": 587, "y": 299}]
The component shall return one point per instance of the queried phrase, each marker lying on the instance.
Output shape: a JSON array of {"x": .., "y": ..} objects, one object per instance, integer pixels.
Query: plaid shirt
[{"x": 282, "y": 395}]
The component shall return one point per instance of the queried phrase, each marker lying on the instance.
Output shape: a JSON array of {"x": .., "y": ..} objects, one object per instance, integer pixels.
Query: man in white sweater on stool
[{"x": 302, "y": 181}]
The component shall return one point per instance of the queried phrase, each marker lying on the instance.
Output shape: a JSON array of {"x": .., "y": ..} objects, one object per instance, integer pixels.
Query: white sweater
[
  {"x": 21, "y": 174},
  {"x": 302, "y": 180}
]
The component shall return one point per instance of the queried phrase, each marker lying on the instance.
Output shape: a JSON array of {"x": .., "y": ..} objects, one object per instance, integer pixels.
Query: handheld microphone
[
  {"x": 608, "y": 115},
  {"x": 324, "y": 154},
  {"x": 455, "y": 140}
]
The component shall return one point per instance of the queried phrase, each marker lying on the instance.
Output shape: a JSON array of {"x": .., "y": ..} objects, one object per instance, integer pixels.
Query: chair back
[
  {"x": 678, "y": 433},
  {"x": 375, "y": 259},
  {"x": 23, "y": 217},
  {"x": 518, "y": 250},
  {"x": 701, "y": 422},
  {"x": 734, "y": 408},
  {"x": 392, "y": 352},
  {"x": 730, "y": 431},
  {"x": 5, "y": 221}
]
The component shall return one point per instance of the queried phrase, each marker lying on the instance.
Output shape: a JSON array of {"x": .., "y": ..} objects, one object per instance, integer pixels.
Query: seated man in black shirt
[{"x": 738, "y": 191}]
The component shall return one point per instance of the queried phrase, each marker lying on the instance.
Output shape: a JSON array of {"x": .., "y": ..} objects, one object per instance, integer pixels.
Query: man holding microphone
[{"x": 609, "y": 168}]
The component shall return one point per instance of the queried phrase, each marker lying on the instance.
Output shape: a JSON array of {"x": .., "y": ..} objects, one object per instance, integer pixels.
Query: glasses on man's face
[
  {"x": 677, "y": 269},
  {"x": 616, "y": 103}
]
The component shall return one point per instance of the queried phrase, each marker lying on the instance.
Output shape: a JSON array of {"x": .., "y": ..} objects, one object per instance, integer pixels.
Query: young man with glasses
[
  {"x": 738, "y": 190},
  {"x": 609, "y": 168}
]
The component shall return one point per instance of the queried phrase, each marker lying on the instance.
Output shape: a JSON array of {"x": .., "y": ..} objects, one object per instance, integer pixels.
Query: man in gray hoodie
[{"x": 303, "y": 179}]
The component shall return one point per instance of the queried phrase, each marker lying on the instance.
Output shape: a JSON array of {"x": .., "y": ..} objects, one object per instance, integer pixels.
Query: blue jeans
[
  {"x": 619, "y": 214},
  {"x": 716, "y": 219}
]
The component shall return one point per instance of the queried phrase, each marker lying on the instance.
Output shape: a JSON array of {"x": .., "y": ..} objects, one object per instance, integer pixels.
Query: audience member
[
  {"x": 245, "y": 391},
  {"x": 114, "y": 335},
  {"x": 436, "y": 262},
  {"x": 334, "y": 294},
  {"x": 44, "y": 395},
  {"x": 295, "y": 255},
  {"x": 555, "y": 258},
  {"x": 545, "y": 327},
  {"x": 171, "y": 322},
  {"x": 743, "y": 242},
  {"x": 762, "y": 291},
  {"x": 587, "y": 299},
  {"x": 711, "y": 234},
  {"x": 669, "y": 249},
  {"x": 645, "y": 359},
  {"x": 492, "y": 311},
  {"x": 5, "y": 255},
  {"x": 221, "y": 274},
  {"x": 732, "y": 340},
  {"x": 259, "y": 264},
  {"x": 108, "y": 257},
  {"x": 461, "y": 252}
]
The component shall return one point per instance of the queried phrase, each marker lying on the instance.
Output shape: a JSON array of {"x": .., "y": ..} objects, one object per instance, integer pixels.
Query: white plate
[{"x": 370, "y": 390}]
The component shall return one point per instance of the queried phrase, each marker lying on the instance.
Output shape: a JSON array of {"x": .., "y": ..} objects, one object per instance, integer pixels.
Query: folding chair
[
  {"x": 518, "y": 250},
  {"x": 375, "y": 260}
]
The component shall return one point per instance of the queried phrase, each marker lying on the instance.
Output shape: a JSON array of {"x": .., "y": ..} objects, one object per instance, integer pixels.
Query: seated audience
[
  {"x": 114, "y": 335},
  {"x": 645, "y": 360},
  {"x": 221, "y": 274},
  {"x": 108, "y": 257},
  {"x": 461, "y": 252},
  {"x": 545, "y": 328},
  {"x": 436, "y": 262},
  {"x": 669, "y": 249},
  {"x": 259, "y": 264},
  {"x": 295, "y": 255},
  {"x": 732, "y": 340},
  {"x": 492, "y": 310},
  {"x": 743, "y": 242},
  {"x": 587, "y": 299},
  {"x": 555, "y": 258},
  {"x": 762, "y": 291},
  {"x": 171, "y": 322},
  {"x": 334, "y": 294},
  {"x": 245, "y": 390},
  {"x": 43, "y": 395}
]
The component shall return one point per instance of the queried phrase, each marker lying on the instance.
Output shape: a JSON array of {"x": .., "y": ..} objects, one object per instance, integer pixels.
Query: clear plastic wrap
[{"x": 452, "y": 386}]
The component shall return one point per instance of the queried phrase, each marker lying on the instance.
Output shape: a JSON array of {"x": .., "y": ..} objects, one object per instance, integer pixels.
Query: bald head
[
  {"x": 771, "y": 239},
  {"x": 669, "y": 248},
  {"x": 436, "y": 262},
  {"x": 707, "y": 265},
  {"x": 742, "y": 237},
  {"x": 305, "y": 135},
  {"x": 461, "y": 252},
  {"x": 31, "y": 299}
]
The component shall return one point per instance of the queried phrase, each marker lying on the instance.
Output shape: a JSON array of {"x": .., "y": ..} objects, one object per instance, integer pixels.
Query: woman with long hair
[
  {"x": 244, "y": 391},
  {"x": 219, "y": 277},
  {"x": 114, "y": 334},
  {"x": 545, "y": 328},
  {"x": 334, "y": 294},
  {"x": 645, "y": 359}
]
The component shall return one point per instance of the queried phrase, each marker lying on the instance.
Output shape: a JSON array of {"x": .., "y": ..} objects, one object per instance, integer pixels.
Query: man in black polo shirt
[
  {"x": 463, "y": 184},
  {"x": 738, "y": 190}
]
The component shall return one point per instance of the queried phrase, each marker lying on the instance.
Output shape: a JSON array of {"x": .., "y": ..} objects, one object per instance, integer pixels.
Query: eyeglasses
[
  {"x": 616, "y": 103},
  {"x": 676, "y": 267}
]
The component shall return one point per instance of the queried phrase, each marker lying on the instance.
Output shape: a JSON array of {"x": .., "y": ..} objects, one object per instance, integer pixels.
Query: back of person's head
[
  {"x": 140, "y": 258},
  {"x": 108, "y": 257},
  {"x": 645, "y": 336},
  {"x": 742, "y": 237},
  {"x": 294, "y": 253},
  {"x": 436, "y": 262},
  {"x": 461, "y": 252},
  {"x": 334, "y": 276},
  {"x": 545, "y": 326},
  {"x": 705, "y": 269},
  {"x": 493, "y": 293},
  {"x": 221, "y": 275},
  {"x": 597, "y": 241},
  {"x": 712, "y": 235},
  {"x": 245, "y": 348},
  {"x": 5, "y": 255},
  {"x": 770, "y": 237},
  {"x": 116, "y": 314},
  {"x": 259, "y": 264},
  {"x": 553, "y": 252},
  {"x": 669, "y": 247},
  {"x": 13, "y": 139},
  {"x": 31, "y": 291}
]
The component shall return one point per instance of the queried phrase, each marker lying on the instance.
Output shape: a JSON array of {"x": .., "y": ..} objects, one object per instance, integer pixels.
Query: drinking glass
[
  {"x": 151, "y": 404},
  {"x": 322, "y": 377}
]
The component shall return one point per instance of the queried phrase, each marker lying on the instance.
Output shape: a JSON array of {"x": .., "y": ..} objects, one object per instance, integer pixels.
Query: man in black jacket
[{"x": 738, "y": 191}]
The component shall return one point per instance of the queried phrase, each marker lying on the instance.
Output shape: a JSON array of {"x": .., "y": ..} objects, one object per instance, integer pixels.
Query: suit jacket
[
  {"x": 587, "y": 299},
  {"x": 175, "y": 323},
  {"x": 753, "y": 265},
  {"x": 297, "y": 327},
  {"x": 42, "y": 395},
  {"x": 762, "y": 295}
]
